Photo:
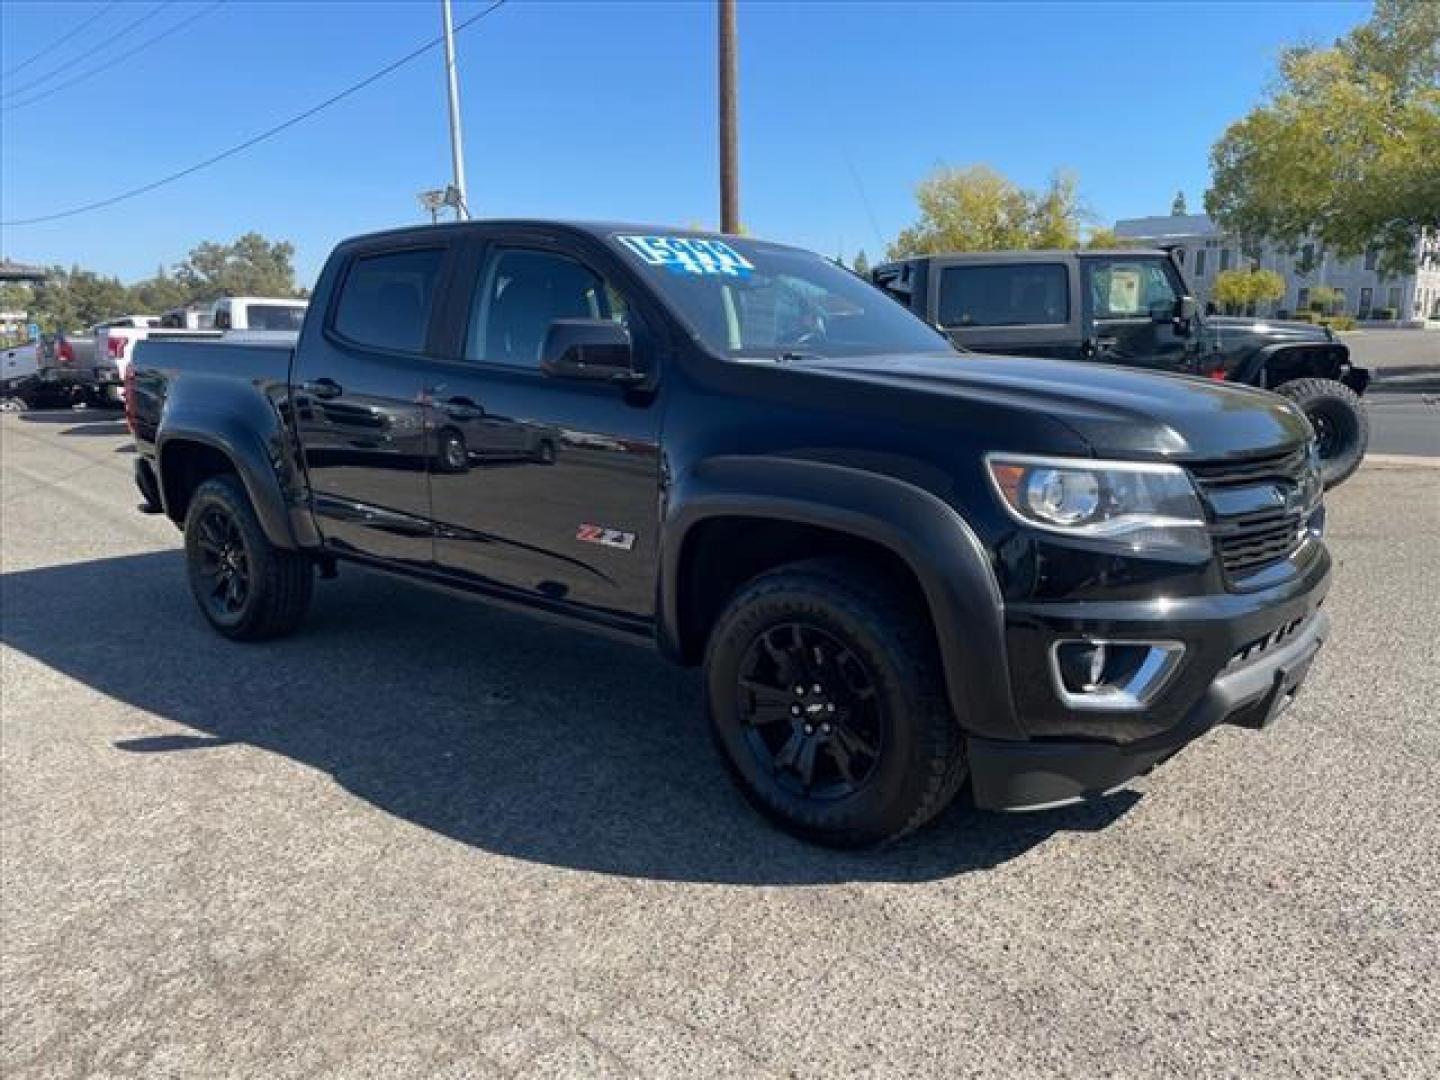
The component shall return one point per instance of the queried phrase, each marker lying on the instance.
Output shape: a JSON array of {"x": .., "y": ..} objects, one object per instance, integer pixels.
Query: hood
[
  {"x": 1271, "y": 330},
  {"x": 1118, "y": 411}
]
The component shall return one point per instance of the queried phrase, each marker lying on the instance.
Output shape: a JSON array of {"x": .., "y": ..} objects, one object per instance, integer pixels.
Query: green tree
[
  {"x": 861, "y": 265},
  {"x": 1177, "y": 207},
  {"x": 978, "y": 209},
  {"x": 1237, "y": 289},
  {"x": 1345, "y": 149},
  {"x": 250, "y": 266},
  {"x": 1324, "y": 299},
  {"x": 1106, "y": 238},
  {"x": 160, "y": 293}
]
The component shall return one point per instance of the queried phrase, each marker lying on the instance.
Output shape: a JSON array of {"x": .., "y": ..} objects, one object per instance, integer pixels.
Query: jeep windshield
[{"x": 746, "y": 299}]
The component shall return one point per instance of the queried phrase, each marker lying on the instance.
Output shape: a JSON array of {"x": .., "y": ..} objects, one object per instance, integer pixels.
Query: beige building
[{"x": 1364, "y": 291}]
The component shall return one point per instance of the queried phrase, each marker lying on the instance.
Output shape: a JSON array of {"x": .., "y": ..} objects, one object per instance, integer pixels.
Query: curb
[{"x": 1402, "y": 461}]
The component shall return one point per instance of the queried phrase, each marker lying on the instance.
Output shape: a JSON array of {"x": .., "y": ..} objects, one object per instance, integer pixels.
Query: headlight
[{"x": 1130, "y": 506}]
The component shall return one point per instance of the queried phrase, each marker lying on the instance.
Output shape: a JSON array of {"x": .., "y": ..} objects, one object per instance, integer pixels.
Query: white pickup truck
[{"x": 116, "y": 341}]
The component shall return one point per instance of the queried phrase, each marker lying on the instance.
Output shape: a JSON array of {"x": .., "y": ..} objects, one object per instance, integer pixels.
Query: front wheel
[
  {"x": 247, "y": 588},
  {"x": 826, "y": 700},
  {"x": 1342, "y": 428}
]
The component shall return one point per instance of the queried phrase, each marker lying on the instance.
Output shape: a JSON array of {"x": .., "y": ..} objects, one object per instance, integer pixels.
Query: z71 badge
[{"x": 598, "y": 534}]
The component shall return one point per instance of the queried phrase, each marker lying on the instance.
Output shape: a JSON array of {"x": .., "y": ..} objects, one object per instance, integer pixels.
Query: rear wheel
[
  {"x": 247, "y": 588},
  {"x": 1342, "y": 428},
  {"x": 825, "y": 697}
]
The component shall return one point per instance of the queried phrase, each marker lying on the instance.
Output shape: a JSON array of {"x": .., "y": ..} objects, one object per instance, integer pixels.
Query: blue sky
[{"x": 608, "y": 110}]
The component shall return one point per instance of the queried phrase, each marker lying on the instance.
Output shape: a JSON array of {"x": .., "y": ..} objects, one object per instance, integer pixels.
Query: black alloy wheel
[
  {"x": 224, "y": 564},
  {"x": 810, "y": 710}
]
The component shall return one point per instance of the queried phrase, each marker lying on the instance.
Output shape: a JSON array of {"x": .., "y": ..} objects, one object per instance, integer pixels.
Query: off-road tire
[
  {"x": 922, "y": 763},
  {"x": 280, "y": 582},
  {"x": 1340, "y": 421}
]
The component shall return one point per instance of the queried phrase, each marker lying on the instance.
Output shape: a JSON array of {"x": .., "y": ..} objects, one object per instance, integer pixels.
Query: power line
[
  {"x": 93, "y": 70},
  {"x": 59, "y": 41},
  {"x": 256, "y": 139},
  {"x": 64, "y": 67}
]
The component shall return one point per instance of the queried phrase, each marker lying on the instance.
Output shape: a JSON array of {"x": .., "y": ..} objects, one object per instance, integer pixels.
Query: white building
[{"x": 1364, "y": 292}]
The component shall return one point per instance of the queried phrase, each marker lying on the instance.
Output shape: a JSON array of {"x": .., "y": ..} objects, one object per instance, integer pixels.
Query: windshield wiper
[{"x": 791, "y": 356}]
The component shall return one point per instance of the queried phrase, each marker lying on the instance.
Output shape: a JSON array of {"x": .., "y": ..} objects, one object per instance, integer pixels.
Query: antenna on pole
[
  {"x": 729, "y": 140},
  {"x": 457, "y": 148}
]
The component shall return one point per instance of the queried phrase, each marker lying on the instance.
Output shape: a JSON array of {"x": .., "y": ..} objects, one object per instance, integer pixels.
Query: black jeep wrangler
[{"x": 1134, "y": 308}]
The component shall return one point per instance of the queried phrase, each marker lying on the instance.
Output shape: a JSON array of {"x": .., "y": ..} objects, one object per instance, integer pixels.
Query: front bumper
[
  {"x": 1245, "y": 655},
  {"x": 1034, "y": 775}
]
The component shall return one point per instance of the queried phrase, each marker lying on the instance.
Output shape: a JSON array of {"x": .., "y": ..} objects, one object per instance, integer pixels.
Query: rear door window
[
  {"x": 386, "y": 299},
  {"x": 1019, "y": 294}
]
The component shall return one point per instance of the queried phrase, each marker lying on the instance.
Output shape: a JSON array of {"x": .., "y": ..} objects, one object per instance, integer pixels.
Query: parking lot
[
  {"x": 1404, "y": 399},
  {"x": 427, "y": 838}
]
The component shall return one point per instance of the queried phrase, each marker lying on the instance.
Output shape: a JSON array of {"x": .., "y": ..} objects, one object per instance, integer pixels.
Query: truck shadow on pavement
[{"x": 520, "y": 738}]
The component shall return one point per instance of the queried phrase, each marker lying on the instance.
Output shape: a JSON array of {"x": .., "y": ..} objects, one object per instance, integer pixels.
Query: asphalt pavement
[
  {"x": 1404, "y": 398},
  {"x": 426, "y": 838}
]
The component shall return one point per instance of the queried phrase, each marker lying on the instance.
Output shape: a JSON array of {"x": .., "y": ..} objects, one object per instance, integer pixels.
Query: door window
[
  {"x": 1129, "y": 289},
  {"x": 522, "y": 293},
  {"x": 1021, "y": 294},
  {"x": 385, "y": 301}
]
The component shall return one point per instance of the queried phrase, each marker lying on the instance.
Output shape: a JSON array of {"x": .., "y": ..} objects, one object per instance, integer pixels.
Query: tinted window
[
  {"x": 385, "y": 301},
  {"x": 522, "y": 293},
  {"x": 1018, "y": 295},
  {"x": 275, "y": 317}
]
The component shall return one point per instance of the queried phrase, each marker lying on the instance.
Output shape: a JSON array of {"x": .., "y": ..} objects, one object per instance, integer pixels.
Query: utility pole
[
  {"x": 457, "y": 148},
  {"x": 729, "y": 140}
]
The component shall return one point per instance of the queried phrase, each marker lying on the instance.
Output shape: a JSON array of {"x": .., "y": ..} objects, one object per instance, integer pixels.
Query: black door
[
  {"x": 558, "y": 496},
  {"x": 1130, "y": 309},
  {"x": 359, "y": 408}
]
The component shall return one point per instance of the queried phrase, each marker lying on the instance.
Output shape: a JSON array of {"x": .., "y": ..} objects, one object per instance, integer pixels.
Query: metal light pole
[
  {"x": 457, "y": 149},
  {"x": 729, "y": 140}
]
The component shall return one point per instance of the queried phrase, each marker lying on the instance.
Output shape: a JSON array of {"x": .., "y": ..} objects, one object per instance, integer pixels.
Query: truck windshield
[{"x": 748, "y": 299}]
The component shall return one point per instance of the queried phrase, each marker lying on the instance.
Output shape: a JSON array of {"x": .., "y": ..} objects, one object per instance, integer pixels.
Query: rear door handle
[
  {"x": 462, "y": 408},
  {"x": 324, "y": 389}
]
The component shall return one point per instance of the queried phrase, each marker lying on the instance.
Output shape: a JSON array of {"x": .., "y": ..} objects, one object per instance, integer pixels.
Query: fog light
[{"x": 1112, "y": 674}]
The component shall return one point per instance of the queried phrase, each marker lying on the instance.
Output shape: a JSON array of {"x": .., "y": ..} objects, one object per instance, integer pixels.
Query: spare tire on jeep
[{"x": 1341, "y": 426}]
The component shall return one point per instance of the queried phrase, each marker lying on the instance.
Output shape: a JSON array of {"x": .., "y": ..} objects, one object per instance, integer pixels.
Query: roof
[
  {"x": 1167, "y": 226},
  {"x": 13, "y": 271},
  {"x": 601, "y": 230},
  {"x": 1027, "y": 255}
]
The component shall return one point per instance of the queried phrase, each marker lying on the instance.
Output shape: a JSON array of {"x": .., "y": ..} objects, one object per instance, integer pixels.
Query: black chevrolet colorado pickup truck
[
  {"x": 1135, "y": 308},
  {"x": 904, "y": 569}
]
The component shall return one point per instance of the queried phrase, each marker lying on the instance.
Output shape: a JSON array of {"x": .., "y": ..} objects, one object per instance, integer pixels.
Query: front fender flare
[
  {"x": 1252, "y": 371},
  {"x": 933, "y": 540}
]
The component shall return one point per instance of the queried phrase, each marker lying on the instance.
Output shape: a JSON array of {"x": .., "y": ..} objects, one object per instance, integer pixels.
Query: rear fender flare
[
  {"x": 232, "y": 437},
  {"x": 934, "y": 541}
]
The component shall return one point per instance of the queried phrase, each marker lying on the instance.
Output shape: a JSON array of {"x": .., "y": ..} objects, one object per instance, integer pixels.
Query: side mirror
[
  {"x": 1187, "y": 312},
  {"x": 1210, "y": 308},
  {"x": 589, "y": 350}
]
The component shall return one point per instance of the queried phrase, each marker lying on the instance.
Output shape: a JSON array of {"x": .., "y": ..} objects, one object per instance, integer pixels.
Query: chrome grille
[{"x": 1256, "y": 520}]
